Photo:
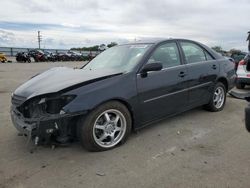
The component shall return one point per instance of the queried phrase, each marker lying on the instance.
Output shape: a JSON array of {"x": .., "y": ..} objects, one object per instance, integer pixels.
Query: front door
[{"x": 163, "y": 93}]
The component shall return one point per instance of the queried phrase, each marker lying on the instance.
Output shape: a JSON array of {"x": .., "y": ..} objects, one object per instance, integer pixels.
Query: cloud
[
  {"x": 6, "y": 38},
  {"x": 70, "y": 25},
  {"x": 80, "y": 22}
]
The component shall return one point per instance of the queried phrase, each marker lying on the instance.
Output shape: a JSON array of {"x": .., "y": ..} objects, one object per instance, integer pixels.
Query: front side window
[
  {"x": 167, "y": 55},
  {"x": 194, "y": 53}
]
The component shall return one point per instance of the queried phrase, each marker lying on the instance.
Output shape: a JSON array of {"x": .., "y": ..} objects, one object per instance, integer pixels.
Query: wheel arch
[{"x": 224, "y": 81}]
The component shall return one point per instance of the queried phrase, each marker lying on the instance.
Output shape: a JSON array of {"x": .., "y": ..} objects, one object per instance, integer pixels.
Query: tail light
[{"x": 242, "y": 62}]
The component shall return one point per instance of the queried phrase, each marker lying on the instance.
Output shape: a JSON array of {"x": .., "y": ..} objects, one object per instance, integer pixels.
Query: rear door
[
  {"x": 202, "y": 72},
  {"x": 163, "y": 92}
]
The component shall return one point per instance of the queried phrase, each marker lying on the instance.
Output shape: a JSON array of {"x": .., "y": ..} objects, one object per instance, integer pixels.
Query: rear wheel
[
  {"x": 240, "y": 85},
  {"x": 218, "y": 99},
  {"x": 105, "y": 127}
]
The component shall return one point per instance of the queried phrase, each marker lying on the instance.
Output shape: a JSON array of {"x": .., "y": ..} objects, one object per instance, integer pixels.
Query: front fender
[{"x": 122, "y": 87}]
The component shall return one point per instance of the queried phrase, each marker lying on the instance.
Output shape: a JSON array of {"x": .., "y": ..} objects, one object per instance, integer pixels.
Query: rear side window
[
  {"x": 194, "y": 53},
  {"x": 167, "y": 54}
]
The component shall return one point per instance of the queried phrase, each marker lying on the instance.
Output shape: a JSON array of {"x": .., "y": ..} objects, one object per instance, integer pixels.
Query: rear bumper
[{"x": 243, "y": 80}]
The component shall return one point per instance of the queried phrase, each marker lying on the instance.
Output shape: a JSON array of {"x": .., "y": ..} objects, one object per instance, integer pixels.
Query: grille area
[{"x": 17, "y": 100}]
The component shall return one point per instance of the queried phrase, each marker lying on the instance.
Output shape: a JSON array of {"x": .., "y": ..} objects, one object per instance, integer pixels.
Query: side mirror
[{"x": 151, "y": 67}]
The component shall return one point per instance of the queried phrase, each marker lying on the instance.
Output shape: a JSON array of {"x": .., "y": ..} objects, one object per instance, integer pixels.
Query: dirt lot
[{"x": 194, "y": 149}]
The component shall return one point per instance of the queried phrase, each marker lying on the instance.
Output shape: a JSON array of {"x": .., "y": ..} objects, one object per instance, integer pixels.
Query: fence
[{"x": 12, "y": 51}]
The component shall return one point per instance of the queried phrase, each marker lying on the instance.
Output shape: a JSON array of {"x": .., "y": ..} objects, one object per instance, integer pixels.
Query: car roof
[{"x": 158, "y": 40}]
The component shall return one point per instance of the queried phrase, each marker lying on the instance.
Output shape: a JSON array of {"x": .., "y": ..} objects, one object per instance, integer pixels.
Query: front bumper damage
[{"x": 54, "y": 129}]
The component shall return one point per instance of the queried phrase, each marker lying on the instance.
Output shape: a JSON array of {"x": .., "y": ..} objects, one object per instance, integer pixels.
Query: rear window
[{"x": 194, "y": 53}]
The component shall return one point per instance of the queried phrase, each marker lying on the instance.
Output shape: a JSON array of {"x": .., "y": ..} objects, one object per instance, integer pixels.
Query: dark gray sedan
[{"x": 124, "y": 88}]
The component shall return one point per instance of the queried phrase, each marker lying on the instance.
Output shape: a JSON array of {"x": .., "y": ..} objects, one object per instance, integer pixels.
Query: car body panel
[
  {"x": 161, "y": 93},
  {"x": 148, "y": 98},
  {"x": 201, "y": 78}
]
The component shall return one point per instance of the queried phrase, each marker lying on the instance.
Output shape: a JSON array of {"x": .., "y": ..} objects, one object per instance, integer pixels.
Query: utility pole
[{"x": 39, "y": 37}]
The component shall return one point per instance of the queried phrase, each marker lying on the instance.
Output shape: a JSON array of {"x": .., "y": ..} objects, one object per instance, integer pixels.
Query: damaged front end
[{"x": 42, "y": 119}]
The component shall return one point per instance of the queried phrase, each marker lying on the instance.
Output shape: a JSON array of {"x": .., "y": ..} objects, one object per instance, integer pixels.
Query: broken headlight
[{"x": 54, "y": 105}]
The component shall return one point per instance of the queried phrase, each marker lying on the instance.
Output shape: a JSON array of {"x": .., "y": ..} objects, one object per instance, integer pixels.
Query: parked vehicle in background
[
  {"x": 238, "y": 56},
  {"x": 23, "y": 57},
  {"x": 33, "y": 54},
  {"x": 62, "y": 56},
  {"x": 243, "y": 72},
  {"x": 102, "y": 47},
  {"x": 38, "y": 55},
  {"x": 50, "y": 56},
  {"x": 125, "y": 87},
  {"x": 3, "y": 58},
  {"x": 75, "y": 56}
]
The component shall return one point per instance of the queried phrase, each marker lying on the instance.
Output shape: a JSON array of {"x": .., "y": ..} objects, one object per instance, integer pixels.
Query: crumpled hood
[{"x": 59, "y": 78}]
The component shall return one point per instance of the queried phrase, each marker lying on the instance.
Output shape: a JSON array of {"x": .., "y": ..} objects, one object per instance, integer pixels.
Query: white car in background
[{"x": 243, "y": 72}]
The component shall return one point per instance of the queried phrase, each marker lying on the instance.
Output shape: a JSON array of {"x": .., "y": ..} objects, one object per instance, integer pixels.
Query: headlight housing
[
  {"x": 47, "y": 105},
  {"x": 54, "y": 105}
]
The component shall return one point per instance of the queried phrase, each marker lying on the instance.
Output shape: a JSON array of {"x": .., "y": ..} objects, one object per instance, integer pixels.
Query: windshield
[{"x": 122, "y": 58}]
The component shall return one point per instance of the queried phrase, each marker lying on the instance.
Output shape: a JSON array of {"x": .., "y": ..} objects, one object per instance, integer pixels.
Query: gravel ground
[{"x": 194, "y": 149}]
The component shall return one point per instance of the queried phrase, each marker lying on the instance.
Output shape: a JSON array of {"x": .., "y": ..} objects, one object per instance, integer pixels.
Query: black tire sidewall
[
  {"x": 211, "y": 107},
  {"x": 247, "y": 118}
]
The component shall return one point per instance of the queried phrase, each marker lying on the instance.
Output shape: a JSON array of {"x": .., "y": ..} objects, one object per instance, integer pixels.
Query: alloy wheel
[
  {"x": 219, "y": 97},
  {"x": 109, "y": 128}
]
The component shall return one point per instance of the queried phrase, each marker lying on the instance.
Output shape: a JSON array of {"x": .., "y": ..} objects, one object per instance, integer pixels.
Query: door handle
[
  {"x": 182, "y": 74},
  {"x": 214, "y": 67}
]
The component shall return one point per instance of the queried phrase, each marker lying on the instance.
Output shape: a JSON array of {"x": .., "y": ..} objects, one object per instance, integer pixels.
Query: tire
[
  {"x": 214, "y": 105},
  {"x": 247, "y": 118},
  {"x": 96, "y": 131},
  {"x": 240, "y": 85}
]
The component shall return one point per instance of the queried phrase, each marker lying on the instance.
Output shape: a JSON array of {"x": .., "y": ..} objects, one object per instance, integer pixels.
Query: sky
[{"x": 77, "y": 23}]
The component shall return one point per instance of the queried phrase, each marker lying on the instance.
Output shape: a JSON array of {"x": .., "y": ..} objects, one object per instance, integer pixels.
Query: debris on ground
[{"x": 100, "y": 173}]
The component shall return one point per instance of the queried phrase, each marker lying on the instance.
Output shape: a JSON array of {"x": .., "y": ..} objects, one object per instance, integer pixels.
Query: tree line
[
  {"x": 95, "y": 47},
  {"x": 224, "y": 52}
]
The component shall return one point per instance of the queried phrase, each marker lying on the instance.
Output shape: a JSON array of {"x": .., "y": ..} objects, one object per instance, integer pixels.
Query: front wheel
[
  {"x": 218, "y": 99},
  {"x": 105, "y": 127}
]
